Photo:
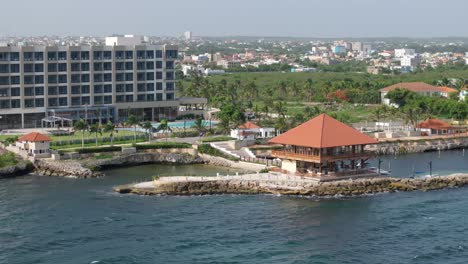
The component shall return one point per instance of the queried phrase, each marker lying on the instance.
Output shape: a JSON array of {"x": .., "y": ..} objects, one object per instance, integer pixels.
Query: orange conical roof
[
  {"x": 34, "y": 137},
  {"x": 323, "y": 131}
]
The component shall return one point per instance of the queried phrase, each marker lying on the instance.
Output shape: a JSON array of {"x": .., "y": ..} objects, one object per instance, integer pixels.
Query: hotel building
[{"x": 97, "y": 83}]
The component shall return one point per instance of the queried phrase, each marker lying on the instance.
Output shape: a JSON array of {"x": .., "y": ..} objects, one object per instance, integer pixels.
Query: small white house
[
  {"x": 251, "y": 131},
  {"x": 35, "y": 144}
]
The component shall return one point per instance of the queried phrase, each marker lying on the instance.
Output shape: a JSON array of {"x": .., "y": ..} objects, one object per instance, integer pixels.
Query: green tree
[
  {"x": 148, "y": 127},
  {"x": 81, "y": 126},
  {"x": 133, "y": 122},
  {"x": 109, "y": 127},
  {"x": 199, "y": 125},
  {"x": 96, "y": 130}
]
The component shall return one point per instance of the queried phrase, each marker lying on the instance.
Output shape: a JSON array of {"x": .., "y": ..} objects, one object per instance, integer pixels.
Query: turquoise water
[
  {"x": 58, "y": 220},
  {"x": 188, "y": 124}
]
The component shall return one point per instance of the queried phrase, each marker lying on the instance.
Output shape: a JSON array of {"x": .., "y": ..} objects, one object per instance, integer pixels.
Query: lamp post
[{"x": 430, "y": 168}]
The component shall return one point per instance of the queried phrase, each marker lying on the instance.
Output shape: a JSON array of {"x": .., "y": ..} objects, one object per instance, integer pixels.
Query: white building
[
  {"x": 188, "y": 35},
  {"x": 410, "y": 61},
  {"x": 400, "y": 53},
  {"x": 35, "y": 144},
  {"x": 250, "y": 131},
  {"x": 126, "y": 40},
  {"x": 463, "y": 95}
]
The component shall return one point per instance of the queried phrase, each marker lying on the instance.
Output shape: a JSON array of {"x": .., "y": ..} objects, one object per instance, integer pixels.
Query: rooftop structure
[
  {"x": 417, "y": 87},
  {"x": 252, "y": 131},
  {"x": 35, "y": 145},
  {"x": 323, "y": 146},
  {"x": 34, "y": 137},
  {"x": 433, "y": 126}
]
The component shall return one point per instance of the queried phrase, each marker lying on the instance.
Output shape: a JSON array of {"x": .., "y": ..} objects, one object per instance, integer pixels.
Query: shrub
[
  {"x": 8, "y": 159},
  {"x": 163, "y": 145},
  {"x": 99, "y": 150},
  {"x": 209, "y": 150}
]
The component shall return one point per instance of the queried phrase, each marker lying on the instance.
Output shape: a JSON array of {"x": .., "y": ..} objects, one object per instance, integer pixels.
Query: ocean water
[{"x": 58, "y": 220}]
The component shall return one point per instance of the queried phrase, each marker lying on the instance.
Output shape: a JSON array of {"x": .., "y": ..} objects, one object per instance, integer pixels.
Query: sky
[{"x": 294, "y": 18}]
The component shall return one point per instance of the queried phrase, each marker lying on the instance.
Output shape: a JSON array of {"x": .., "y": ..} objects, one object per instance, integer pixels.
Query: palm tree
[
  {"x": 82, "y": 127},
  {"x": 109, "y": 128},
  {"x": 96, "y": 129},
  {"x": 133, "y": 121},
  {"x": 198, "y": 125},
  {"x": 148, "y": 127},
  {"x": 164, "y": 126},
  {"x": 280, "y": 109}
]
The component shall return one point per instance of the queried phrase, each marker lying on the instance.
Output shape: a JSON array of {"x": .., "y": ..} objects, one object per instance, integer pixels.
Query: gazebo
[{"x": 324, "y": 146}]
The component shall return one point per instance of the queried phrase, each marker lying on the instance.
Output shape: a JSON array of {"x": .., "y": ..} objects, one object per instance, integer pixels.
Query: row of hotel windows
[
  {"x": 83, "y": 100},
  {"x": 85, "y": 78},
  {"x": 85, "y": 89},
  {"x": 97, "y": 66},
  {"x": 85, "y": 55}
]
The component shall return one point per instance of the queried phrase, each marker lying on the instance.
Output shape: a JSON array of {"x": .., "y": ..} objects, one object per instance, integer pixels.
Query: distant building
[
  {"x": 366, "y": 48},
  {"x": 410, "y": 61},
  {"x": 188, "y": 35},
  {"x": 228, "y": 64},
  {"x": 251, "y": 131},
  {"x": 463, "y": 95},
  {"x": 417, "y": 87},
  {"x": 400, "y": 53},
  {"x": 374, "y": 70},
  {"x": 356, "y": 46},
  {"x": 339, "y": 49},
  {"x": 434, "y": 126},
  {"x": 35, "y": 144},
  {"x": 126, "y": 40}
]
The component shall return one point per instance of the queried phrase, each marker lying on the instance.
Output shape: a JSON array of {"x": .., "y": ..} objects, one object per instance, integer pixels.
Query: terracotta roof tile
[
  {"x": 412, "y": 86},
  {"x": 323, "y": 131},
  {"x": 34, "y": 137},
  {"x": 433, "y": 123},
  {"x": 248, "y": 125}
]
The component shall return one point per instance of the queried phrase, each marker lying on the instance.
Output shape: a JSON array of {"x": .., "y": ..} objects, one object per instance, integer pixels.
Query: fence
[{"x": 267, "y": 162}]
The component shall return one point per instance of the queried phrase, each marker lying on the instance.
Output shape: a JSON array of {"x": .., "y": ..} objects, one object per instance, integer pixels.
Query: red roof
[
  {"x": 416, "y": 87},
  {"x": 447, "y": 89},
  {"x": 323, "y": 131},
  {"x": 433, "y": 123},
  {"x": 34, "y": 137},
  {"x": 249, "y": 125}
]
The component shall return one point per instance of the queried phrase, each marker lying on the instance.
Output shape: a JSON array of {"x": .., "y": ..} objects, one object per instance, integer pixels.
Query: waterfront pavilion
[{"x": 323, "y": 146}]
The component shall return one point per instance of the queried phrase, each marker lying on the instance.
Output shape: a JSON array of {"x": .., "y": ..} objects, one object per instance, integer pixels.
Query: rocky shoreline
[
  {"x": 22, "y": 168},
  {"x": 291, "y": 185}
]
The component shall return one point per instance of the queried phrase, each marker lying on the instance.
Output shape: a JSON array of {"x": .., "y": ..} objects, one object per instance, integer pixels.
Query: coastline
[{"x": 280, "y": 184}]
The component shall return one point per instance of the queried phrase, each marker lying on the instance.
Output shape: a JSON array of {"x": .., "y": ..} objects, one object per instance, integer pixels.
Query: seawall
[
  {"x": 419, "y": 145},
  {"x": 288, "y": 185}
]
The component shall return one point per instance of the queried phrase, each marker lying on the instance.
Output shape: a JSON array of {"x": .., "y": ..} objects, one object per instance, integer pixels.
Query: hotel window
[
  {"x": 51, "y": 55},
  {"x": 4, "y": 80},
  {"x": 107, "y": 55},
  {"x": 169, "y": 75},
  {"x": 169, "y": 96},
  {"x": 129, "y": 66},
  {"x": 75, "y": 67},
  {"x": 108, "y": 99},
  {"x": 75, "y": 101},
  {"x": 15, "y": 80},
  {"x": 169, "y": 65},
  {"x": 28, "y": 67},
  {"x": 63, "y": 90},
  {"x": 52, "y": 90},
  {"x": 62, "y": 55},
  {"x": 120, "y": 66},
  {"x": 39, "y": 102},
  {"x": 150, "y": 54},
  {"x": 119, "y": 77},
  {"x": 75, "y": 55},
  {"x": 159, "y": 86},
  {"x": 129, "y": 98},
  {"x": 159, "y": 97},
  {"x": 129, "y": 76},
  {"x": 62, "y": 78},
  {"x": 15, "y": 91},
  {"x": 170, "y": 86},
  {"x": 150, "y": 76},
  {"x": 14, "y": 56},
  {"x": 141, "y": 87},
  {"x": 98, "y": 66},
  {"x": 141, "y": 97},
  {"x": 150, "y": 97},
  {"x": 28, "y": 56},
  {"x": 98, "y": 77},
  {"x": 150, "y": 65},
  {"x": 28, "y": 103},
  {"x": 29, "y": 79},
  {"x": 107, "y": 88},
  {"x": 28, "y": 91},
  {"x": 38, "y": 56},
  {"x": 159, "y": 54},
  {"x": 150, "y": 87},
  {"x": 97, "y": 99},
  {"x": 75, "y": 89},
  {"x": 97, "y": 55},
  {"x": 85, "y": 78},
  {"x": 140, "y": 76},
  {"x": 52, "y": 67},
  {"x": 4, "y": 104},
  {"x": 119, "y": 88},
  {"x": 85, "y": 100},
  {"x": 4, "y": 68},
  {"x": 129, "y": 87},
  {"x": 39, "y": 90},
  {"x": 108, "y": 77},
  {"x": 62, "y": 67},
  {"x": 85, "y": 89},
  {"x": 141, "y": 65},
  {"x": 141, "y": 54},
  {"x": 63, "y": 101},
  {"x": 171, "y": 54},
  {"x": 39, "y": 79},
  {"x": 98, "y": 88},
  {"x": 4, "y": 92},
  {"x": 85, "y": 55},
  {"x": 159, "y": 75},
  {"x": 84, "y": 66},
  {"x": 107, "y": 66},
  {"x": 76, "y": 78},
  {"x": 52, "y": 79},
  {"x": 53, "y": 102},
  {"x": 119, "y": 55},
  {"x": 14, "y": 68},
  {"x": 15, "y": 103},
  {"x": 128, "y": 54},
  {"x": 159, "y": 65},
  {"x": 38, "y": 67},
  {"x": 119, "y": 98}
]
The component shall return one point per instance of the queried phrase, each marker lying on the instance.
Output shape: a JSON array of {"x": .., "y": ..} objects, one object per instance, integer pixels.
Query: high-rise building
[
  {"x": 357, "y": 46},
  {"x": 400, "y": 53},
  {"x": 97, "y": 83},
  {"x": 188, "y": 35}
]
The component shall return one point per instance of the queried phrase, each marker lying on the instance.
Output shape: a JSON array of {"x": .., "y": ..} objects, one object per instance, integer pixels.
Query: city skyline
[{"x": 297, "y": 18}]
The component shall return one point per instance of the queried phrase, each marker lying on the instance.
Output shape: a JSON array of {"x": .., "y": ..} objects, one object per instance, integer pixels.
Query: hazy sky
[{"x": 306, "y": 18}]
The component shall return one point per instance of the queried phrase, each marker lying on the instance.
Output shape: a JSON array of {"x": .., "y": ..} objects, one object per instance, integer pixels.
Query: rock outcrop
[
  {"x": 23, "y": 167},
  {"x": 417, "y": 146},
  {"x": 71, "y": 169}
]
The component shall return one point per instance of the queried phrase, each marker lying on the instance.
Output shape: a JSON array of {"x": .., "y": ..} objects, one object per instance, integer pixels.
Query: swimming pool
[{"x": 188, "y": 124}]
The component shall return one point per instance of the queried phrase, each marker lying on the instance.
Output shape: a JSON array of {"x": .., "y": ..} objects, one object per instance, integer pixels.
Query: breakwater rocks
[
  {"x": 421, "y": 145},
  {"x": 23, "y": 167},
  {"x": 289, "y": 185},
  {"x": 71, "y": 169},
  {"x": 142, "y": 158}
]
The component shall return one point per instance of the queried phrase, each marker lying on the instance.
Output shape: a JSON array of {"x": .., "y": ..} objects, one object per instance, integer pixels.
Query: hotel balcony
[{"x": 281, "y": 154}]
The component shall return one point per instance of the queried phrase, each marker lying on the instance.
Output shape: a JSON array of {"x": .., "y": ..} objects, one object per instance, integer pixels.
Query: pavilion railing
[{"x": 306, "y": 157}]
